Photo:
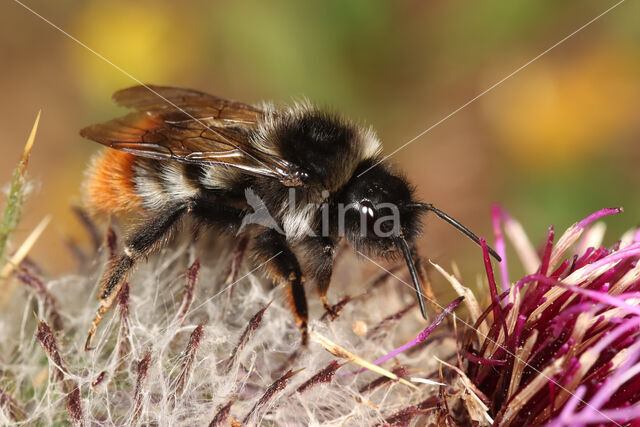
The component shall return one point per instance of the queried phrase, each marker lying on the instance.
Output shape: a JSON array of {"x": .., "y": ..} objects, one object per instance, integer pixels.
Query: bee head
[
  {"x": 377, "y": 209},
  {"x": 381, "y": 218}
]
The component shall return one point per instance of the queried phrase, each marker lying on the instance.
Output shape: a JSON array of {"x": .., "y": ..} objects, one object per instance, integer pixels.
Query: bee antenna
[
  {"x": 456, "y": 224},
  {"x": 404, "y": 247}
]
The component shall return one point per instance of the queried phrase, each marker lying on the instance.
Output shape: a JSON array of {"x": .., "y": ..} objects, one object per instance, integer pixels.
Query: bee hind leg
[
  {"x": 149, "y": 236},
  {"x": 272, "y": 250}
]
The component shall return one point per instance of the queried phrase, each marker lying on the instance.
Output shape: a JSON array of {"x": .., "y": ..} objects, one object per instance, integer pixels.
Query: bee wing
[
  {"x": 191, "y": 127},
  {"x": 144, "y": 98}
]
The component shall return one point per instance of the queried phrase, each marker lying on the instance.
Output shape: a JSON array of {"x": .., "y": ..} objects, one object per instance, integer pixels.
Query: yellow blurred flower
[
  {"x": 150, "y": 40},
  {"x": 564, "y": 110}
]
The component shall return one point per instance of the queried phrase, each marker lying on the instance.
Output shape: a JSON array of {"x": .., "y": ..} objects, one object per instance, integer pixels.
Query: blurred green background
[{"x": 553, "y": 143}]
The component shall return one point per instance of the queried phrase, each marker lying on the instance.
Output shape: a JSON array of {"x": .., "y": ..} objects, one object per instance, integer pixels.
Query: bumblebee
[{"x": 296, "y": 180}]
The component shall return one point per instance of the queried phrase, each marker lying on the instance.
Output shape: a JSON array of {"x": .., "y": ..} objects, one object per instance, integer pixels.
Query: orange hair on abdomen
[{"x": 109, "y": 184}]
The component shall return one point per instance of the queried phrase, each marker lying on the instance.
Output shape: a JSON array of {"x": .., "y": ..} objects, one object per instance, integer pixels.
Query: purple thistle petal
[
  {"x": 496, "y": 215},
  {"x": 618, "y": 378},
  {"x": 568, "y": 315},
  {"x": 615, "y": 301},
  {"x": 597, "y": 215},
  {"x": 574, "y": 365},
  {"x": 629, "y": 251},
  {"x": 493, "y": 288},
  {"x": 567, "y": 412},
  {"x": 605, "y": 298},
  {"x": 615, "y": 334},
  {"x": 483, "y": 360},
  {"x": 631, "y": 413},
  {"x": 573, "y": 233},
  {"x": 514, "y": 339},
  {"x": 546, "y": 257}
]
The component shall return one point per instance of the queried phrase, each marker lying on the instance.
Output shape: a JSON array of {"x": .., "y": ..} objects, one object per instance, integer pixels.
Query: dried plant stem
[{"x": 342, "y": 353}]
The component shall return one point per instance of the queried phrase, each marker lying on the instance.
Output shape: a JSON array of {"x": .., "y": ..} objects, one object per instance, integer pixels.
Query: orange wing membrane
[{"x": 190, "y": 127}]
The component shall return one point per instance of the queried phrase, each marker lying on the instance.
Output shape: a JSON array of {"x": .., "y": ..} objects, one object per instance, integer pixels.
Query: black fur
[
  {"x": 316, "y": 142},
  {"x": 212, "y": 212},
  {"x": 193, "y": 173}
]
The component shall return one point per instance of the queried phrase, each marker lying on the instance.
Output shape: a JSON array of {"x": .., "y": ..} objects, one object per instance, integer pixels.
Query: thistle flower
[{"x": 561, "y": 344}]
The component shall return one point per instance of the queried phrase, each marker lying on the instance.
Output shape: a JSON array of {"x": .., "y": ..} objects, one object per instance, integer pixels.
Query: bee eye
[{"x": 366, "y": 208}]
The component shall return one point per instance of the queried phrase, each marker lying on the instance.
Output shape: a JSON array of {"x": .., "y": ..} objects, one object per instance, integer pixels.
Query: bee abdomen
[
  {"x": 110, "y": 188},
  {"x": 120, "y": 183},
  {"x": 159, "y": 183}
]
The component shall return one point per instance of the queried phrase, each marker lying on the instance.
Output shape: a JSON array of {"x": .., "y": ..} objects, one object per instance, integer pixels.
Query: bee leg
[
  {"x": 282, "y": 266},
  {"x": 140, "y": 244},
  {"x": 321, "y": 253}
]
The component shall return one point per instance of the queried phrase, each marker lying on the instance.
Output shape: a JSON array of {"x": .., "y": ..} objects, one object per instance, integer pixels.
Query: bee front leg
[
  {"x": 140, "y": 244},
  {"x": 272, "y": 249},
  {"x": 321, "y": 253},
  {"x": 425, "y": 282}
]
